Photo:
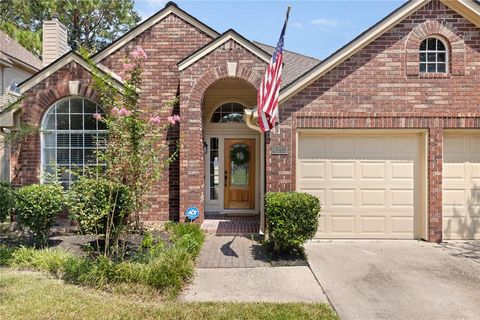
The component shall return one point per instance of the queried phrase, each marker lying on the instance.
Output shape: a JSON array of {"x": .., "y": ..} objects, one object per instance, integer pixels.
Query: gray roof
[
  {"x": 10, "y": 49},
  {"x": 295, "y": 64}
]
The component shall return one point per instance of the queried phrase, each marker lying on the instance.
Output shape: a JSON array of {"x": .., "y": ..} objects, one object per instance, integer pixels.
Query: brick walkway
[
  {"x": 232, "y": 252},
  {"x": 224, "y": 225}
]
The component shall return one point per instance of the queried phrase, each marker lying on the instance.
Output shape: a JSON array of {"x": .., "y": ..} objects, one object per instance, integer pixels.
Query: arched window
[
  {"x": 228, "y": 113},
  {"x": 70, "y": 139},
  {"x": 433, "y": 56}
]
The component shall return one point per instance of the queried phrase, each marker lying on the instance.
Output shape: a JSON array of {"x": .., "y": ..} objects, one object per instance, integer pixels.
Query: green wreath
[{"x": 239, "y": 154}]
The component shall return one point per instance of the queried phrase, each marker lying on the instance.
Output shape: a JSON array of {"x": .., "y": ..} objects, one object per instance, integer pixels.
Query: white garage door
[
  {"x": 365, "y": 183},
  {"x": 461, "y": 186}
]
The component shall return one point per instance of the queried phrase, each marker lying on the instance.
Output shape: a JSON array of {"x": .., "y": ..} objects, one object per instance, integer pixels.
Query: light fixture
[{"x": 205, "y": 147}]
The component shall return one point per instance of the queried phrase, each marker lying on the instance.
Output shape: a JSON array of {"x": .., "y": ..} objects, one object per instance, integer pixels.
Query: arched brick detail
[
  {"x": 441, "y": 29},
  {"x": 192, "y": 169},
  {"x": 25, "y": 155}
]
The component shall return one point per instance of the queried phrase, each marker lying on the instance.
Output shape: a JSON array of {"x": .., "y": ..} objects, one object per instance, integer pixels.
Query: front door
[{"x": 239, "y": 174}]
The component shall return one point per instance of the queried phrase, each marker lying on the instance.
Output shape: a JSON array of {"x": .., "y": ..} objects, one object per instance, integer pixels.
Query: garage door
[
  {"x": 461, "y": 186},
  {"x": 365, "y": 183}
]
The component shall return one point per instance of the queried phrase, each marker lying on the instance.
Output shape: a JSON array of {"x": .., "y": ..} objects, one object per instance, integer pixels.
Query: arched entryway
[{"x": 233, "y": 156}]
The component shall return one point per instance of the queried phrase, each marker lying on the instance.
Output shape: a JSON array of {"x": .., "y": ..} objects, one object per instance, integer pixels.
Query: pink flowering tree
[{"x": 136, "y": 153}]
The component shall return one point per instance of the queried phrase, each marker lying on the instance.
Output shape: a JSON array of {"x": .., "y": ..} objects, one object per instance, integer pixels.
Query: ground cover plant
[{"x": 164, "y": 266}]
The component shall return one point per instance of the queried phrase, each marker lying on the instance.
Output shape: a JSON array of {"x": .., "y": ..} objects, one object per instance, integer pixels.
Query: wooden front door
[{"x": 239, "y": 174}]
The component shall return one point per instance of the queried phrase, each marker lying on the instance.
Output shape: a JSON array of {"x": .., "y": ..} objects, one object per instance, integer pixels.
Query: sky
[{"x": 315, "y": 28}]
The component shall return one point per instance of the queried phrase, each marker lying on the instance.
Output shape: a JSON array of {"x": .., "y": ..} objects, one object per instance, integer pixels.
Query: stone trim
[{"x": 433, "y": 28}]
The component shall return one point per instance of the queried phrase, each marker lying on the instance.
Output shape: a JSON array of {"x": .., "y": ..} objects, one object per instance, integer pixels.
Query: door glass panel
[
  {"x": 239, "y": 171},
  {"x": 214, "y": 169}
]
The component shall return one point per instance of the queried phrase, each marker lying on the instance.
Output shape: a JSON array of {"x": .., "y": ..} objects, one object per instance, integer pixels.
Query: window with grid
[
  {"x": 71, "y": 138},
  {"x": 228, "y": 112},
  {"x": 433, "y": 56}
]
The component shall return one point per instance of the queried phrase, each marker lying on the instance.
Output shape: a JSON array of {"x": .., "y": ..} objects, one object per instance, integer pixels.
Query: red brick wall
[
  {"x": 379, "y": 87},
  {"x": 165, "y": 43},
  {"x": 195, "y": 80}
]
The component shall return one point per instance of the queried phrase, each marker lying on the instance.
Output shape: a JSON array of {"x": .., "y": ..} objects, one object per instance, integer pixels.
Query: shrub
[
  {"x": 6, "y": 254},
  {"x": 50, "y": 260},
  {"x": 7, "y": 201},
  {"x": 292, "y": 219},
  {"x": 100, "y": 207},
  {"x": 37, "y": 206},
  {"x": 188, "y": 236}
]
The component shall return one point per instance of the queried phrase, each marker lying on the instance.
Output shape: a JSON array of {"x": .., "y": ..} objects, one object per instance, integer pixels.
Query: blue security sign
[{"x": 192, "y": 213}]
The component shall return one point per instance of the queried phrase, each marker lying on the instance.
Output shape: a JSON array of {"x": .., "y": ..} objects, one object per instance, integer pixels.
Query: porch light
[{"x": 205, "y": 147}]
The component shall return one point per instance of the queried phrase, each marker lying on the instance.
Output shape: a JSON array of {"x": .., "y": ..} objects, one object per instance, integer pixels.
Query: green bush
[
  {"x": 6, "y": 254},
  {"x": 37, "y": 206},
  {"x": 92, "y": 201},
  {"x": 7, "y": 201},
  {"x": 50, "y": 260},
  {"x": 292, "y": 219},
  {"x": 186, "y": 235}
]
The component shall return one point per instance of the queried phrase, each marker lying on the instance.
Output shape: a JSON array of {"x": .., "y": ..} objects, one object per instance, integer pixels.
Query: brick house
[{"x": 385, "y": 130}]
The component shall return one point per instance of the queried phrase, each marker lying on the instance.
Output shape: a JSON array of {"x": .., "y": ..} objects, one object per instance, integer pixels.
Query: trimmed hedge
[
  {"x": 292, "y": 219},
  {"x": 37, "y": 206}
]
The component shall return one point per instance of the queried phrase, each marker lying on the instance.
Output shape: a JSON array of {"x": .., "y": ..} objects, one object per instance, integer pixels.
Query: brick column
[
  {"x": 191, "y": 160},
  {"x": 435, "y": 160}
]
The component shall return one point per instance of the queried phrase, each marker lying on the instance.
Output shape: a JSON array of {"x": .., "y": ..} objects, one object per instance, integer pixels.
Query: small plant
[
  {"x": 7, "y": 201},
  {"x": 37, "y": 206},
  {"x": 100, "y": 207},
  {"x": 292, "y": 219}
]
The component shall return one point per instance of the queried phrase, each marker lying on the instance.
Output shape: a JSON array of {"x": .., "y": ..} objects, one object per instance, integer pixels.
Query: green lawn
[{"x": 32, "y": 295}]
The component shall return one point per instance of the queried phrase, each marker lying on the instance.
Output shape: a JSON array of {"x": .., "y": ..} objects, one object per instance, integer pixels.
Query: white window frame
[
  {"x": 45, "y": 131},
  {"x": 427, "y": 51}
]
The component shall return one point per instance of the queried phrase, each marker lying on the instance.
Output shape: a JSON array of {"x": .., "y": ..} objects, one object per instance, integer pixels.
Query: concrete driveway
[{"x": 399, "y": 279}]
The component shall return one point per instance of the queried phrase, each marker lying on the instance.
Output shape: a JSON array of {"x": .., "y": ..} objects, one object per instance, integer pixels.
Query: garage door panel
[
  {"x": 402, "y": 198},
  {"x": 313, "y": 170},
  {"x": 367, "y": 188},
  {"x": 373, "y": 224},
  {"x": 461, "y": 186},
  {"x": 341, "y": 198},
  {"x": 373, "y": 198},
  {"x": 402, "y": 170},
  {"x": 342, "y": 170},
  {"x": 373, "y": 170}
]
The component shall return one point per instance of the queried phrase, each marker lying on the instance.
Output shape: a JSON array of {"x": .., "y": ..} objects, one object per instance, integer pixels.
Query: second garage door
[
  {"x": 461, "y": 186},
  {"x": 366, "y": 183}
]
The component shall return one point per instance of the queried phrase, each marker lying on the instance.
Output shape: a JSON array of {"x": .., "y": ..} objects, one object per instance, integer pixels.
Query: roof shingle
[{"x": 12, "y": 49}]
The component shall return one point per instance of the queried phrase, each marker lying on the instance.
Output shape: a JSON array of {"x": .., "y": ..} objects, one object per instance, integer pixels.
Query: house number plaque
[{"x": 279, "y": 150}]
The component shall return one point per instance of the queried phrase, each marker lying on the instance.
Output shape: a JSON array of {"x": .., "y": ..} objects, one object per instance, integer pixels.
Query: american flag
[{"x": 267, "y": 98}]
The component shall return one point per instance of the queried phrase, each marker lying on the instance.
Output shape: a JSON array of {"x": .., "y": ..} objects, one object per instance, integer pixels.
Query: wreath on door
[{"x": 239, "y": 155}]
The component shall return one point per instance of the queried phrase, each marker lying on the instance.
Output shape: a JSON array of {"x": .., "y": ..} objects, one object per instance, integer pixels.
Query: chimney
[{"x": 54, "y": 40}]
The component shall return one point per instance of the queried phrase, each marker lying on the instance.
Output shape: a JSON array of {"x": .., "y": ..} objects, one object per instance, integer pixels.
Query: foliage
[
  {"x": 37, "y": 206},
  {"x": 164, "y": 268},
  {"x": 27, "y": 296},
  {"x": 292, "y": 218},
  {"x": 136, "y": 144},
  {"x": 50, "y": 260},
  {"x": 100, "y": 207},
  {"x": 90, "y": 23},
  {"x": 186, "y": 235},
  {"x": 7, "y": 201}
]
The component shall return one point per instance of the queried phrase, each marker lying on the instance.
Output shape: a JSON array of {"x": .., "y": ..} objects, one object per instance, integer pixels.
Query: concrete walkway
[
  {"x": 399, "y": 279},
  {"x": 235, "y": 268}
]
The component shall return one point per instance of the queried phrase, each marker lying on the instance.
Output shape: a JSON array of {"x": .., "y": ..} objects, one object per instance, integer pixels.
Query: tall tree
[{"x": 90, "y": 23}]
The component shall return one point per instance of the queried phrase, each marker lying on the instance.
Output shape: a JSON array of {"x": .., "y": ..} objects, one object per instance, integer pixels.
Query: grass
[
  {"x": 31, "y": 295},
  {"x": 165, "y": 269}
]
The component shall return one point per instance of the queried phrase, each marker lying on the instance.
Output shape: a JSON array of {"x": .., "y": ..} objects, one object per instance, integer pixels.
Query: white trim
[
  {"x": 162, "y": 14},
  {"x": 229, "y": 35},
  {"x": 57, "y": 65},
  {"x": 467, "y": 8}
]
